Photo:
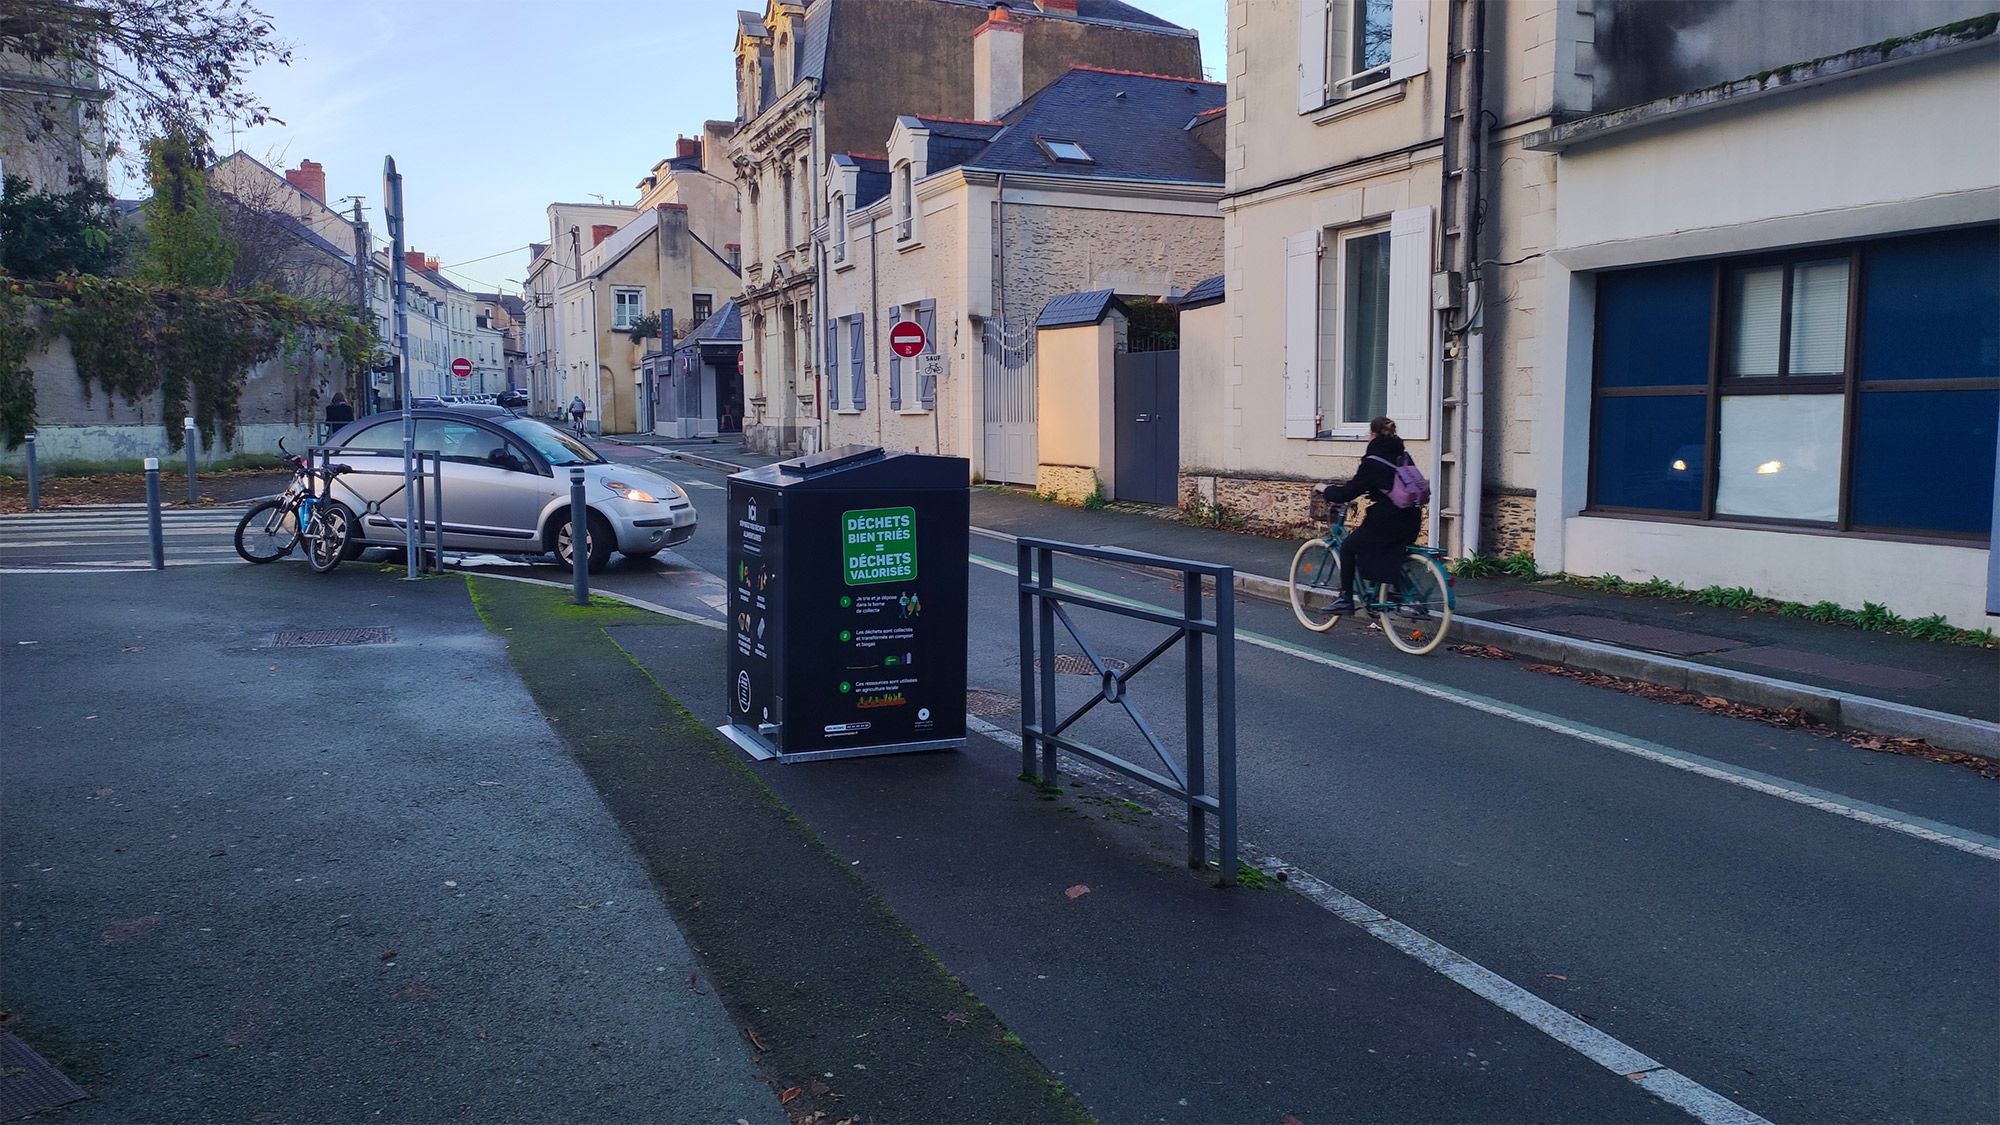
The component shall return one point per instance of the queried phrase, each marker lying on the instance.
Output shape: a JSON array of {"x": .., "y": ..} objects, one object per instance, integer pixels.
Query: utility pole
[
  {"x": 392, "y": 211},
  {"x": 366, "y": 311}
]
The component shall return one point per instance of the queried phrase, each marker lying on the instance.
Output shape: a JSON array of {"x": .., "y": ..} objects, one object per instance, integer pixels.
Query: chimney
[
  {"x": 1057, "y": 7},
  {"x": 600, "y": 231},
  {"x": 687, "y": 146},
  {"x": 415, "y": 260},
  {"x": 309, "y": 177},
  {"x": 996, "y": 65}
]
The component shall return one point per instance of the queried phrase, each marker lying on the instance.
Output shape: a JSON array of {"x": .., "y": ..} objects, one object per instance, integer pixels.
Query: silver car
[{"x": 505, "y": 487}]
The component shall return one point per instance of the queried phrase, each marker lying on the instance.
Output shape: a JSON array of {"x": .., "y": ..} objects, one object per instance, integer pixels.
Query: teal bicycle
[{"x": 1415, "y": 610}]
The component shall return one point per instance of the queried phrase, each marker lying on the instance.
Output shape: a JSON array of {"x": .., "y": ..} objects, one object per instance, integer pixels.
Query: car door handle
[{"x": 1145, "y": 418}]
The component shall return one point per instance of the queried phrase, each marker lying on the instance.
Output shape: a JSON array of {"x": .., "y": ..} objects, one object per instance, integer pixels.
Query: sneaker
[{"x": 1342, "y": 604}]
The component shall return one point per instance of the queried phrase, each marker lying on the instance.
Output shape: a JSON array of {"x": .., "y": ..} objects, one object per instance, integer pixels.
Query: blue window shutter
[
  {"x": 856, "y": 356},
  {"x": 830, "y": 365},
  {"x": 927, "y": 320},
  {"x": 895, "y": 365}
]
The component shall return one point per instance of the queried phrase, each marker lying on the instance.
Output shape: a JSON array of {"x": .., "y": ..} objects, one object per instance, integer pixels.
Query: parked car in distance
[
  {"x": 513, "y": 398},
  {"x": 506, "y": 487}
]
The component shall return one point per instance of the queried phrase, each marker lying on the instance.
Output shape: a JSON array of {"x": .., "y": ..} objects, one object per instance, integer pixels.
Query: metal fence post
[
  {"x": 579, "y": 537},
  {"x": 34, "y": 479},
  {"x": 1225, "y": 715},
  {"x": 1024, "y": 572},
  {"x": 1197, "y": 766},
  {"x": 187, "y": 433},
  {"x": 437, "y": 505},
  {"x": 1045, "y": 581},
  {"x": 153, "y": 513}
]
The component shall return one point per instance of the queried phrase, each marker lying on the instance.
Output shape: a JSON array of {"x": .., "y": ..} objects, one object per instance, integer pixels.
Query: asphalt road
[{"x": 1808, "y": 930}]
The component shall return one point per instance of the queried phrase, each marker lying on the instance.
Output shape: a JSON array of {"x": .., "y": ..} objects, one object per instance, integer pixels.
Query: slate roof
[
  {"x": 1134, "y": 126},
  {"x": 1072, "y": 309},
  {"x": 872, "y": 182},
  {"x": 723, "y": 326},
  {"x": 1207, "y": 291},
  {"x": 819, "y": 29},
  {"x": 751, "y": 24},
  {"x": 1096, "y": 11},
  {"x": 297, "y": 229},
  {"x": 954, "y": 141}
]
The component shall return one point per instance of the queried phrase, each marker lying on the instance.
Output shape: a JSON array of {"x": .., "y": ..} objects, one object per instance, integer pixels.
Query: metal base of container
[{"x": 760, "y": 748}]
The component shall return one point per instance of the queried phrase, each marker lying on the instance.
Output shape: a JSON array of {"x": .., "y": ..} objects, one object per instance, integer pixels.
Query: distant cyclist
[
  {"x": 576, "y": 409},
  {"x": 1377, "y": 546}
]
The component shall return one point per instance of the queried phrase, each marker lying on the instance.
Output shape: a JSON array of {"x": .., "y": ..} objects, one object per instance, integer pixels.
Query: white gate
[{"x": 1008, "y": 382}]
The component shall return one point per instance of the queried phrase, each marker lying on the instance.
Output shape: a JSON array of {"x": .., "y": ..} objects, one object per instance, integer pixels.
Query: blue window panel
[
  {"x": 1923, "y": 460},
  {"x": 1930, "y": 306},
  {"x": 1650, "y": 453},
  {"x": 1652, "y": 326}
]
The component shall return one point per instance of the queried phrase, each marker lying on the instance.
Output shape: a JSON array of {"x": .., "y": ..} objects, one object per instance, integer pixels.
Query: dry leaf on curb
[
  {"x": 754, "y": 1041},
  {"x": 694, "y": 982},
  {"x": 1555, "y": 976},
  {"x": 956, "y": 1017},
  {"x": 1076, "y": 892},
  {"x": 790, "y": 1095},
  {"x": 1484, "y": 652},
  {"x": 1637, "y": 1076},
  {"x": 389, "y": 956}
]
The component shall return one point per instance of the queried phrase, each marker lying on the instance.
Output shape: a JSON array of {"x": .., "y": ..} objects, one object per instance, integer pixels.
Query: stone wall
[
  {"x": 1052, "y": 251},
  {"x": 1065, "y": 484},
  {"x": 1266, "y": 505},
  {"x": 1508, "y": 524}
]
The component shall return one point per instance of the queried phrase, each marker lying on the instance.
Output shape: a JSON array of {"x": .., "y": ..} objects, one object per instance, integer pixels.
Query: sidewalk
[{"x": 1879, "y": 682}]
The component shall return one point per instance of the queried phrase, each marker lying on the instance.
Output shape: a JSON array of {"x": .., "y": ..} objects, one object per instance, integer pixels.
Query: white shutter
[
  {"x": 1312, "y": 54},
  {"x": 1410, "y": 322},
  {"x": 1301, "y": 333},
  {"x": 1409, "y": 38}
]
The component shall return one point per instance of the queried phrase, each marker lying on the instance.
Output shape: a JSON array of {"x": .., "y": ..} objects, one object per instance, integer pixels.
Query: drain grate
[
  {"x": 317, "y": 638},
  {"x": 988, "y": 704},
  {"x": 28, "y": 1084},
  {"x": 1076, "y": 664}
]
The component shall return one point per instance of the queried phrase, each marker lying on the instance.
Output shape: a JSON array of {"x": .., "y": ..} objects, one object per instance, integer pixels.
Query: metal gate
[
  {"x": 1008, "y": 386},
  {"x": 1146, "y": 391}
]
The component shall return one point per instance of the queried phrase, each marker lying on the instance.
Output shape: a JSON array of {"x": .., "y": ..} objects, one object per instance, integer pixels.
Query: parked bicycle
[
  {"x": 270, "y": 530},
  {"x": 1415, "y": 610}
]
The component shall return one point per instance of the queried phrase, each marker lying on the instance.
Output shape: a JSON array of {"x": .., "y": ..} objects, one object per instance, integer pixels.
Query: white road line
[
  {"x": 132, "y": 566},
  {"x": 1862, "y": 812},
  {"x": 1612, "y": 1054}
]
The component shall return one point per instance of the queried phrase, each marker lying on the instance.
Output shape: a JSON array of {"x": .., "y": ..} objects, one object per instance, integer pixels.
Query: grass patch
[{"x": 798, "y": 947}]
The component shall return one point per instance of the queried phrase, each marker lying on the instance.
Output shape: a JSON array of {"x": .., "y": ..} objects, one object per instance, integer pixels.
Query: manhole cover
[
  {"x": 313, "y": 638},
  {"x": 987, "y": 704},
  {"x": 1076, "y": 664},
  {"x": 28, "y": 1084}
]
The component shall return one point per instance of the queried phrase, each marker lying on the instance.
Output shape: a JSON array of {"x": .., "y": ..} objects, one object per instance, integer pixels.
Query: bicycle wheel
[
  {"x": 1418, "y": 614},
  {"x": 267, "y": 532},
  {"x": 1315, "y": 583},
  {"x": 327, "y": 533}
]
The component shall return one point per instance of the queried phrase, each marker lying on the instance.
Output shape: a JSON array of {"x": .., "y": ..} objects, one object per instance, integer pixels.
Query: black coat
[
  {"x": 1386, "y": 530},
  {"x": 339, "y": 413}
]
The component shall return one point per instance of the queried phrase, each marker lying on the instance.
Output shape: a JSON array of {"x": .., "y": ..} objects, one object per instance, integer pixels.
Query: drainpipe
[
  {"x": 1474, "y": 473},
  {"x": 874, "y": 329}
]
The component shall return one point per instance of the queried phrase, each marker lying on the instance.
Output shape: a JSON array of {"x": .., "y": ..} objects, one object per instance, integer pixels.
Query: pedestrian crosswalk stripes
[{"x": 115, "y": 536}]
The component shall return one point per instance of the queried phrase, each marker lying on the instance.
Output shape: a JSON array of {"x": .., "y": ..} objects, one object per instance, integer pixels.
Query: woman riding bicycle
[{"x": 1386, "y": 532}]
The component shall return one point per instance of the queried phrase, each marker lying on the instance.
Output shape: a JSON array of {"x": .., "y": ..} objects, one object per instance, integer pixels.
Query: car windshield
[{"x": 560, "y": 448}]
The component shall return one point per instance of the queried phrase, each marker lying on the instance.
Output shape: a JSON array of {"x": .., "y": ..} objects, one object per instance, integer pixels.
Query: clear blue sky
[{"x": 495, "y": 108}]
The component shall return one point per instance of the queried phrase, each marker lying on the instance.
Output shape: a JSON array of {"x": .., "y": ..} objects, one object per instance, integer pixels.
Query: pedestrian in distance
[
  {"x": 576, "y": 409},
  {"x": 338, "y": 412},
  {"x": 374, "y": 400},
  {"x": 1376, "y": 548}
]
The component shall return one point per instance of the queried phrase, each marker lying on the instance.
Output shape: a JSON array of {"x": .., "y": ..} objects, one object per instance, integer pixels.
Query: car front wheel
[{"x": 598, "y": 543}]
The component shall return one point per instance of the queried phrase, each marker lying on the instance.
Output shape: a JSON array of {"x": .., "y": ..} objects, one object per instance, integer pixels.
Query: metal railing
[
  {"x": 430, "y": 508},
  {"x": 1044, "y": 604}
]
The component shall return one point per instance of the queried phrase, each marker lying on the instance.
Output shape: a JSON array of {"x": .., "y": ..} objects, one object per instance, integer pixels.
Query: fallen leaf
[
  {"x": 103, "y": 793},
  {"x": 956, "y": 1017},
  {"x": 694, "y": 982},
  {"x": 1636, "y": 1076},
  {"x": 754, "y": 1041},
  {"x": 790, "y": 1095},
  {"x": 1288, "y": 1119},
  {"x": 820, "y": 1088},
  {"x": 389, "y": 956},
  {"x": 218, "y": 853},
  {"x": 1077, "y": 892},
  {"x": 1555, "y": 976}
]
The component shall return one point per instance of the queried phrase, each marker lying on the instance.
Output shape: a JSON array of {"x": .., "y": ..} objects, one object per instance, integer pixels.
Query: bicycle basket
[{"x": 1321, "y": 508}]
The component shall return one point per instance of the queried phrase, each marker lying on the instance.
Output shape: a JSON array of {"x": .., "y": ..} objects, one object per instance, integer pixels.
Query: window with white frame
[
  {"x": 1358, "y": 328},
  {"x": 905, "y": 224},
  {"x": 627, "y": 306},
  {"x": 1350, "y": 46},
  {"x": 839, "y": 227}
]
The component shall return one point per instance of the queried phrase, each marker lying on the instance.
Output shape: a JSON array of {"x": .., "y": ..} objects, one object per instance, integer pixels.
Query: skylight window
[{"x": 1069, "y": 152}]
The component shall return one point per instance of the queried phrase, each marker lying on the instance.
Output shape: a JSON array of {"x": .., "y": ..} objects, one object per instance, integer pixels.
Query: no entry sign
[
  {"x": 462, "y": 367},
  {"x": 906, "y": 338}
]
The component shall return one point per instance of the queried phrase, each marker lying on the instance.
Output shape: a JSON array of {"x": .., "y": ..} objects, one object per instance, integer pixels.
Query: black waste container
[{"x": 847, "y": 610}]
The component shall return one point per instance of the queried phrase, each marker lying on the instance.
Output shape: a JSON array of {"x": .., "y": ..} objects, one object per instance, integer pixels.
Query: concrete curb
[{"x": 1827, "y": 705}]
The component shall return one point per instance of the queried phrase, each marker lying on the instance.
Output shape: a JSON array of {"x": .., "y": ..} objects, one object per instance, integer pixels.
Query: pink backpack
[{"x": 1410, "y": 489}]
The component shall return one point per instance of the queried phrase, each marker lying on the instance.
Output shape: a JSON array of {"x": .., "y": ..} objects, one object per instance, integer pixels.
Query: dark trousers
[{"x": 1382, "y": 546}]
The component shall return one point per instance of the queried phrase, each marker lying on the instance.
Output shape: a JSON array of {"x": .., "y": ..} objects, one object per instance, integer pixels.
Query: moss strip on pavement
[{"x": 823, "y": 977}]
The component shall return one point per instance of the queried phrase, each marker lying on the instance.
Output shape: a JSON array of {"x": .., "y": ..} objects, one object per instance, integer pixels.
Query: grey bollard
[
  {"x": 187, "y": 432},
  {"x": 579, "y": 537},
  {"x": 153, "y": 513},
  {"x": 34, "y": 479}
]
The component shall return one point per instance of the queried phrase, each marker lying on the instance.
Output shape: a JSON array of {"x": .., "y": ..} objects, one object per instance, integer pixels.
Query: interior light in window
[{"x": 1769, "y": 467}]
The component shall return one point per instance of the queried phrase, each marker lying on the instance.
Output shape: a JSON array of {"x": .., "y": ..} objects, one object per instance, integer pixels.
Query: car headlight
[{"x": 627, "y": 492}]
